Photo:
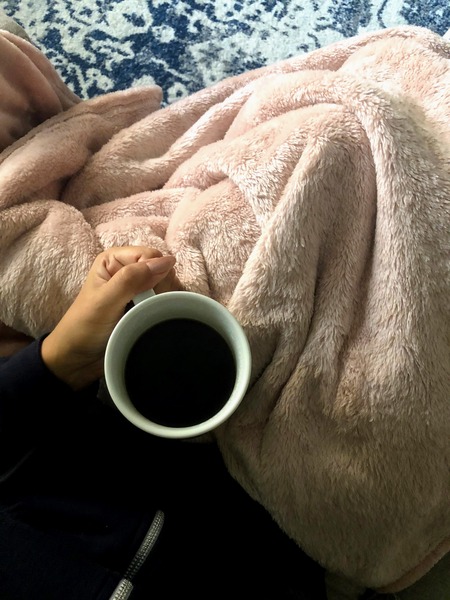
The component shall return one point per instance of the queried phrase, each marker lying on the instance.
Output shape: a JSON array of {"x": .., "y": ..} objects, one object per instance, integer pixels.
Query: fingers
[
  {"x": 170, "y": 283},
  {"x": 119, "y": 274},
  {"x": 132, "y": 272},
  {"x": 109, "y": 262},
  {"x": 163, "y": 264}
]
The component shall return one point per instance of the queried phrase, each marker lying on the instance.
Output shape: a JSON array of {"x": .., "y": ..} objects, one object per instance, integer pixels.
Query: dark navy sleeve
[{"x": 32, "y": 402}]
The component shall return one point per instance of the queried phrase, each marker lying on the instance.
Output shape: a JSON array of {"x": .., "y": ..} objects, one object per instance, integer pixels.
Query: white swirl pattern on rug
[{"x": 106, "y": 45}]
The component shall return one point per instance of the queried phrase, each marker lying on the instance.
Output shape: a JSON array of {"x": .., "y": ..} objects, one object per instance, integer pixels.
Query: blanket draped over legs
[{"x": 312, "y": 198}]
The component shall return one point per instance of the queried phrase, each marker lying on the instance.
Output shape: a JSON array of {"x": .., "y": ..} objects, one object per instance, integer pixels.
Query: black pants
[
  {"x": 216, "y": 541},
  {"x": 224, "y": 544}
]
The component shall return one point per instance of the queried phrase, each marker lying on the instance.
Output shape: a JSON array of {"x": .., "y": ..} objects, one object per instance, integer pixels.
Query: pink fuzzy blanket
[{"x": 312, "y": 198}]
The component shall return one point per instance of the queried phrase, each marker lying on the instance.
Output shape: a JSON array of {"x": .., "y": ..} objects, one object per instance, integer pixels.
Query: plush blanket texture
[{"x": 312, "y": 198}]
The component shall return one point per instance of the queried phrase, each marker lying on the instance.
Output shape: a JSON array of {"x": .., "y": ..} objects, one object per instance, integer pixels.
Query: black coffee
[{"x": 179, "y": 373}]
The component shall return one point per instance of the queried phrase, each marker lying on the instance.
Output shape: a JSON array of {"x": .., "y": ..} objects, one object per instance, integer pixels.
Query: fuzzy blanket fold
[{"x": 312, "y": 198}]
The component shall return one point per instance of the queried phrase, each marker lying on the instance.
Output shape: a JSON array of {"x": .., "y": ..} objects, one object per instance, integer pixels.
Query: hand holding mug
[{"x": 74, "y": 350}]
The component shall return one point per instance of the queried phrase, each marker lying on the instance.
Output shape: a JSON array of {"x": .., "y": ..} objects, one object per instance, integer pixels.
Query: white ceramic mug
[{"x": 151, "y": 310}]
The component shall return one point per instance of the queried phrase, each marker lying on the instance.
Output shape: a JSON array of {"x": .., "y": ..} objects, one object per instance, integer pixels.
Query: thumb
[{"x": 138, "y": 277}]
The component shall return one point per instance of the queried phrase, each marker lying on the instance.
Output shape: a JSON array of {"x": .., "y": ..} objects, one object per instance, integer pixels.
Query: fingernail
[{"x": 160, "y": 265}]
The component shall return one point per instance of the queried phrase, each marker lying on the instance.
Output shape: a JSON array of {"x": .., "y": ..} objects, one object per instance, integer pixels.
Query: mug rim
[{"x": 240, "y": 348}]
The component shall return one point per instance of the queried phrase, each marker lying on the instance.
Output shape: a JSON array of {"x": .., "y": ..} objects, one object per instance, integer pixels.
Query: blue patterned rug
[{"x": 185, "y": 45}]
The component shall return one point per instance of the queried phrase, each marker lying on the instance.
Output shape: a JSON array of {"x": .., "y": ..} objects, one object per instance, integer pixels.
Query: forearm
[
  {"x": 28, "y": 389},
  {"x": 32, "y": 403}
]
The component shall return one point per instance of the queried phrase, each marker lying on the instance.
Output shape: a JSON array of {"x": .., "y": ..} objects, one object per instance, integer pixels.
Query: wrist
[{"x": 59, "y": 361}]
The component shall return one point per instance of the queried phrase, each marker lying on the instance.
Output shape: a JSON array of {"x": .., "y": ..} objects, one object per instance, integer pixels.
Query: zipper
[{"x": 125, "y": 585}]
